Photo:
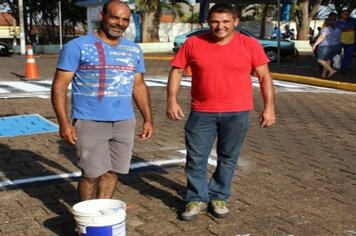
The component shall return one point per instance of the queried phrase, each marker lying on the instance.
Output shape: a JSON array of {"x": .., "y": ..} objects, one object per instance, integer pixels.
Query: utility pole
[
  {"x": 22, "y": 28},
  {"x": 60, "y": 24},
  {"x": 279, "y": 38}
]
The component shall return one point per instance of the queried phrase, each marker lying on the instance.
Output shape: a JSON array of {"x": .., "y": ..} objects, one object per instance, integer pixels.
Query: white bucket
[{"x": 100, "y": 217}]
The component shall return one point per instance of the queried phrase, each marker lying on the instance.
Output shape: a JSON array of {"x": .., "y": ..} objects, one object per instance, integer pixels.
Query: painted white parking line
[
  {"x": 24, "y": 86},
  {"x": 138, "y": 165},
  {"x": 2, "y": 90}
]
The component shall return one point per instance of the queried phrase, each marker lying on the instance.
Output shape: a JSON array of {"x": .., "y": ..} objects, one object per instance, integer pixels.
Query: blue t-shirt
[
  {"x": 103, "y": 77},
  {"x": 332, "y": 36},
  {"x": 348, "y": 29}
]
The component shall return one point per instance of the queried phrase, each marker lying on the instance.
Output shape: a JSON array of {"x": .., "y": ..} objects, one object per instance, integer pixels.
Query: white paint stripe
[
  {"x": 138, "y": 165},
  {"x": 153, "y": 84},
  {"x": 38, "y": 179},
  {"x": 211, "y": 161},
  {"x": 77, "y": 174},
  {"x": 185, "y": 83},
  {"x": 31, "y": 60},
  {"x": 29, "y": 87},
  {"x": 3, "y": 90},
  {"x": 156, "y": 163}
]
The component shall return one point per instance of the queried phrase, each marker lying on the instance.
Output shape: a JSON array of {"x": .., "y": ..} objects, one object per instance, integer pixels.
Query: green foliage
[
  {"x": 43, "y": 15},
  {"x": 188, "y": 18}
]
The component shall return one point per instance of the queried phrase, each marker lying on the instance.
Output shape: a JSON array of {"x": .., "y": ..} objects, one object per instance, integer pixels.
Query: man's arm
[
  {"x": 174, "y": 110},
  {"x": 142, "y": 99},
  {"x": 267, "y": 117},
  {"x": 59, "y": 92}
]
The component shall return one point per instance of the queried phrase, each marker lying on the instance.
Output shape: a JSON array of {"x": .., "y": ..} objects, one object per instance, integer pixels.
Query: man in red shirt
[{"x": 221, "y": 62}]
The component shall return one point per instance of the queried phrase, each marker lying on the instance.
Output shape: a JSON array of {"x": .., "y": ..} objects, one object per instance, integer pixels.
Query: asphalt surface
[{"x": 296, "y": 178}]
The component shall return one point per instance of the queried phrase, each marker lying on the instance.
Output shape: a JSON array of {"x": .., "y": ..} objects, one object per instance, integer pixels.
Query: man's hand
[
  {"x": 175, "y": 112},
  {"x": 147, "y": 131},
  {"x": 67, "y": 133},
  {"x": 267, "y": 118}
]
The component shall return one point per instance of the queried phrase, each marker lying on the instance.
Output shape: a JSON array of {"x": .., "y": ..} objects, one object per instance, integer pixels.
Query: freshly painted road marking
[
  {"x": 138, "y": 165},
  {"x": 12, "y": 126}
]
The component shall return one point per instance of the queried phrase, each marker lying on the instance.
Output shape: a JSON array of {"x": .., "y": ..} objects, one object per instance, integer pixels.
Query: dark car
[
  {"x": 287, "y": 47},
  {"x": 6, "y": 49}
]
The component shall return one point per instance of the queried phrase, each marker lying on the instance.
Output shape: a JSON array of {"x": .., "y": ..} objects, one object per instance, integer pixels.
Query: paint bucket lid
[{"x": 99, "y": 207}]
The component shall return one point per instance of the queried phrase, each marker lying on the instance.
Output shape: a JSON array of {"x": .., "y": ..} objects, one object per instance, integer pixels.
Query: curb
[{"x": 314, "y": 81}]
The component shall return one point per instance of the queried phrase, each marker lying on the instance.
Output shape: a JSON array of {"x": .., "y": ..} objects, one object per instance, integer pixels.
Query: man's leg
[
  {"x": 87, "y": 188},
  {"x": 200, "y": 132},
  {"x": 93, "y": 155},
  {"x": 102, "y": 187},
  {"x": 232, "y": 129},
  {"x": 107, "y": 185},
  {"x": 346, "y": 61}
]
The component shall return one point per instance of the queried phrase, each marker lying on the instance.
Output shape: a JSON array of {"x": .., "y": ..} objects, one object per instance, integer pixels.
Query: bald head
[{"x": 118, "y": 2}]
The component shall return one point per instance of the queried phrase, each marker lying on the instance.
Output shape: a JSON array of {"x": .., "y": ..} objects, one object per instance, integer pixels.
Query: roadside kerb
[{"x": 314, "y": 81}]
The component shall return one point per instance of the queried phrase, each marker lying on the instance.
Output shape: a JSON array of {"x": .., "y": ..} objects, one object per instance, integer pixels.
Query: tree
[
  {"x": 263, "y": 20},
  {"x": 43, "y": 16},
  {"x": 304, "y": 11},
  {"x": 151, "y": 11}
]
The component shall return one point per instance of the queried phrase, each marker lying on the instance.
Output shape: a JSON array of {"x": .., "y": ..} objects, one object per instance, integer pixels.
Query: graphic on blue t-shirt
[{"x": 104, "y": 77}]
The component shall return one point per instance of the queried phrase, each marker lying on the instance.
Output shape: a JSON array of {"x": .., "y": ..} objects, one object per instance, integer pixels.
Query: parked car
[
  {"x": 6, "y": 49},
  {"x": 287, "y": 47}
]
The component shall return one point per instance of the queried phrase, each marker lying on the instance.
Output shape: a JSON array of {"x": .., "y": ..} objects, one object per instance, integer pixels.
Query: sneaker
[
  {"x": 219, "y": 209},
  {"x": 192, "y": 210}
]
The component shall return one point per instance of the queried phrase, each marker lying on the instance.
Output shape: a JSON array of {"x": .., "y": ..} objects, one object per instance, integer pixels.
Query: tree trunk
[
  {"x": 150, "y": 26},
  {"x": 303, "y": 16},
  {"x": 304, "y": 23},
  {"x": 263, "y": 20}
]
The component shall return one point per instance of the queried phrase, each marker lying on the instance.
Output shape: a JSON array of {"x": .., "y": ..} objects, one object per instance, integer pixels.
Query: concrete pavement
[{"x": 296, "y": 178}]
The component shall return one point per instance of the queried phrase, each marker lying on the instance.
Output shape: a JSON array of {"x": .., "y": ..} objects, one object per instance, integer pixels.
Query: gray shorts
[{"x": 104, "y": 146}]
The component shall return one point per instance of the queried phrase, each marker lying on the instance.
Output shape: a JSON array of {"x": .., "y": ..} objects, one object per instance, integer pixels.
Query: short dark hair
[
  {"x": 331, "y": 14},
  {"x": 224, "y": 7},
  {"x": 105, "y": 6},
  {"x": 329, "y": 22}
]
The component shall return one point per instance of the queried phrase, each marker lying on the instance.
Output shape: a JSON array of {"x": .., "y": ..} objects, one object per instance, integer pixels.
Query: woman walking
[{"x": 327, "y": 46}]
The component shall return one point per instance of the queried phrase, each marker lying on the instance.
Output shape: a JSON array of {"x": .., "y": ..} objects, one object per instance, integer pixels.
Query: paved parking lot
[{"x": 296, "y": 178}]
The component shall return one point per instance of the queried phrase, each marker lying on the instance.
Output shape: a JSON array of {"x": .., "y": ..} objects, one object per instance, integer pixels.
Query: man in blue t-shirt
[
  {"x": 105, "y": 71},
  {"x": 348, "y": 29}
]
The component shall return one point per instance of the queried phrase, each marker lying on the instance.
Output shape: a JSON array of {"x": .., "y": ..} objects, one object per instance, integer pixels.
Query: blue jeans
[{"x": 201, "y": 129}]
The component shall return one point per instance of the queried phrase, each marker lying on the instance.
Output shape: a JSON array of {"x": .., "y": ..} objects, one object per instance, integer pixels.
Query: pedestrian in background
[
  {"x": 327, "y": 46},
  {"x": 221, "y": 61},
  {"x": 31, "y": 39},
  {"x": 348, "y": 28},
  {"x": 106, "y": 71},
  {"x": 276, "y": 33}
]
